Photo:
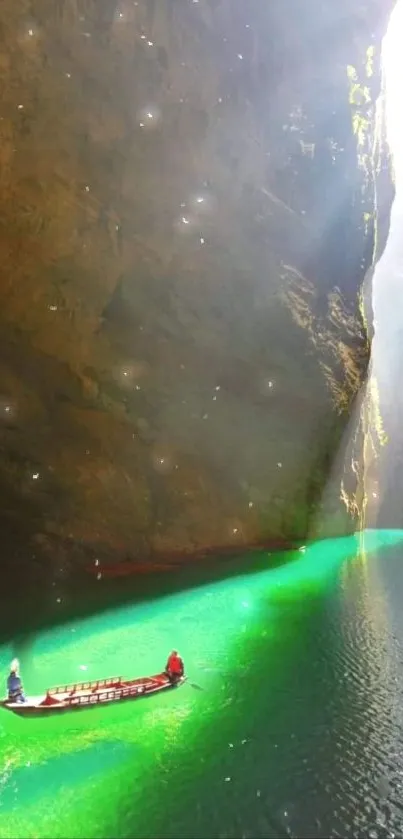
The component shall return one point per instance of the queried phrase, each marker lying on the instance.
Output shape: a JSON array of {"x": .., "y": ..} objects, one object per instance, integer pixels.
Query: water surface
[{"x": 297, "y": 731}]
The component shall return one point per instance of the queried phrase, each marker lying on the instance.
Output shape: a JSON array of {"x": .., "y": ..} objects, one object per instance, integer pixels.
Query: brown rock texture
[{"x": 185, "y": 226}]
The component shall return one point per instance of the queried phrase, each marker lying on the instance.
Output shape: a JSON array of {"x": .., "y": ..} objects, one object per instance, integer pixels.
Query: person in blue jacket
[{"x": 14, "y": 683}]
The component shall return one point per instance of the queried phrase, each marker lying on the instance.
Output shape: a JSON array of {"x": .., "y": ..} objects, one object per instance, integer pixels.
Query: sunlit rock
[{"x": 187, "y": 221}]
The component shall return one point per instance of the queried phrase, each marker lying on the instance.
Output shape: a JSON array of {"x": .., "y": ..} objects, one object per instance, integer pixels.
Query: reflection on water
[{"x": 297, "y": 731}]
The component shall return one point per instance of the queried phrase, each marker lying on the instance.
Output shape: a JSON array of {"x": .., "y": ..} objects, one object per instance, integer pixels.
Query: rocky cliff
[{"x": 186, "y": 222}]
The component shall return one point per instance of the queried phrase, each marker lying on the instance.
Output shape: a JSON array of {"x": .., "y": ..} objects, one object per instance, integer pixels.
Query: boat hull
[{"x": 88, "y": 695}]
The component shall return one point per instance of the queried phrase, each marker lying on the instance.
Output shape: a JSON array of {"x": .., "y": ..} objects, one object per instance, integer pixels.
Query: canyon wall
[{"x": 187, "y": 219}]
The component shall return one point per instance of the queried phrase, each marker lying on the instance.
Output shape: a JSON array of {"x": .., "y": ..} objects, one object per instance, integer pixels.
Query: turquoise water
[{"x": 292, "y": 671}]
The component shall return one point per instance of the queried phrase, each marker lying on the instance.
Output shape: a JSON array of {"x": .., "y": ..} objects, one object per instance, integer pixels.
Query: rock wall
[{"x": 184, "y": 231}]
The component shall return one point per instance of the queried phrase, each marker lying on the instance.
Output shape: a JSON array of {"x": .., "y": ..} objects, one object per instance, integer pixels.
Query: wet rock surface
[{"x": 185, "y": 227}]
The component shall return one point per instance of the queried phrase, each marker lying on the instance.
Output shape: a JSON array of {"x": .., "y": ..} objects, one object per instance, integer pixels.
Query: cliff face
[{"x": 185, "y": 227}]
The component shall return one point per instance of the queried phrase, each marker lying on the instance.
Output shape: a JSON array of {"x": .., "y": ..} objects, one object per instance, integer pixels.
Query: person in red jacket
[{"x": 174, "y": 666}]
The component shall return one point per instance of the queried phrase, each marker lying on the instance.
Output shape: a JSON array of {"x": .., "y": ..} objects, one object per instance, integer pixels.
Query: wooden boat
[{"x": 87, "y": 694}]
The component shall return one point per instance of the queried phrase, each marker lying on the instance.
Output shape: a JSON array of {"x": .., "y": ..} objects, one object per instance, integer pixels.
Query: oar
[{"x": 193, "y": 684}]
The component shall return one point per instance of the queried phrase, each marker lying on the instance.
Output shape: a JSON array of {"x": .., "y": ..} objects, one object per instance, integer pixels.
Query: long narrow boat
[{"x": 87, "y": 694}]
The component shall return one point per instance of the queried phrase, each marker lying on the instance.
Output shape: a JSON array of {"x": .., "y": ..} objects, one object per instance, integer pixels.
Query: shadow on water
[{"x": 83, "y": 596}]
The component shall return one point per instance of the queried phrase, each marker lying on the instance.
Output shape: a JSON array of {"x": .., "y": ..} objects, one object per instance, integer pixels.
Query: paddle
[{"x": 193, "y": 684}]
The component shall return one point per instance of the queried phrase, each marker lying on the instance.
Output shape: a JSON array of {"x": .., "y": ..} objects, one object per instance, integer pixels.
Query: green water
[{"x": 278, "y": 731}]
